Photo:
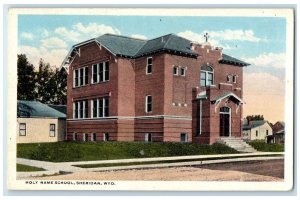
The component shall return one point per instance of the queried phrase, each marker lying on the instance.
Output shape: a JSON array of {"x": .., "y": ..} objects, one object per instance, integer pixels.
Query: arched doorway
[{"x": 225, "y": 121}]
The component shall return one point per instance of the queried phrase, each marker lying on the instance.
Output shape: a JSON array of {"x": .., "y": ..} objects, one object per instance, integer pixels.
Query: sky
[{"x": 260, "y": 41}]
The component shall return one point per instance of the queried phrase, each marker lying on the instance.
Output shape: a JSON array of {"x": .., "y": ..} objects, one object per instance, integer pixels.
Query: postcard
[{"x": 150, "y": 99}]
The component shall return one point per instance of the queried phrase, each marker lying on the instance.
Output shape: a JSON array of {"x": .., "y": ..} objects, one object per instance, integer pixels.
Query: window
[
  {"x": 183, "y": 137},
  {"x": 206, "y": 76},
  {"x": 86, "y": 76},
  {"x": 106, "y": 71},
  {"x": 256, "y": 133},
  {"x": 100, "y": 107},
  {"x": 101, "y": 72},
  {"x": 148, "y": 137},
  {"x": 75, "y": 136},
  {"x": 52, "y": 130},
  {"x": 183, "y": 71},
  {"x": 148, "y": 103},
  {"x": 105, "y": 137},
  {"x": 175, "y": 70},
  {"x": 228, "y": 78},
  {"x": 80, "y": 109},
  {"x": 267, "y": 132},
  {"x": 94, "y": 108},
  {"x": 76, "y": 75},
  {"x": 81, "y": 76},
  {"x": 85, "y": 137},
  {"x": 94, "y": 137},
  {"x": 149, "y": 66},
  {"x": 95, "y": 73},
  {"x": 234, "y": 78},
  {"x": 22, "y": 129}
]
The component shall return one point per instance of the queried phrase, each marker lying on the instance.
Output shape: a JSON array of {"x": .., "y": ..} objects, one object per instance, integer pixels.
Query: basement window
[
  {"x": 183, "y": 137},
  {"x": 148, "y": 137},
  {"x": 75, "y": 136},
  {"x": 94, "y": 137},
  {"x": 85, "y": 137},
  {"x": 105, "y": 137}
]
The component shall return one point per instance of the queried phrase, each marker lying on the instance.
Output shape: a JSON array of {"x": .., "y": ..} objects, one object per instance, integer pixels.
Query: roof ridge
[
  {"x": 124, "y": 36},
  {"x": 168, "y": 40},
  {"x": 160, "y": 36}
]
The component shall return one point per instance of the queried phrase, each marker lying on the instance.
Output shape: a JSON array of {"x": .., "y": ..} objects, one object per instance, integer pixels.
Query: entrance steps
[{"x": 237, "y": 144}]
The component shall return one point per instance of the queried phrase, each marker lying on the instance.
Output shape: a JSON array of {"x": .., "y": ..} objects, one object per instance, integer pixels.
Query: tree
[
  {"x": 51, "y": 84},
  {"x": 48, "y": 85},
  {"x": 26, "y": 79},
  {"x": 61, "y": 86},
  {"x": 44, "y": 89},
  {"x": 254, "y": 117},
  {"x": 59, "y": 89}
]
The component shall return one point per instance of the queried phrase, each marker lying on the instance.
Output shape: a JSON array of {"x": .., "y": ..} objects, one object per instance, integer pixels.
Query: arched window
[
  {"x": 207, "y": 75},
  {"x": 224, "y": 109}
]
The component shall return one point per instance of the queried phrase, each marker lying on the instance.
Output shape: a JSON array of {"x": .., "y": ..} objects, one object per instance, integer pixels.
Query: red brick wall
[
  {"x": 91, "y": 54},
  {"x": 151, "y": 84},
  {"x": 155, "y": 126},
  {"x": 126, "y": 87},
  {"x": 129, "y": 85},
  {"x": 174, "y": 127},
  {"x": 92, "y": 126}
]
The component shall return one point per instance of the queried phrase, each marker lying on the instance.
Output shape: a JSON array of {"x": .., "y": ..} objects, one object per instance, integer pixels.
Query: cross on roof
[{"x": 206, "y": 37}]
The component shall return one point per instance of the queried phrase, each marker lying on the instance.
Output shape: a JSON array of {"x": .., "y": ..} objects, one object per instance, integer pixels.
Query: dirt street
[{"x": 272, "y": 170}]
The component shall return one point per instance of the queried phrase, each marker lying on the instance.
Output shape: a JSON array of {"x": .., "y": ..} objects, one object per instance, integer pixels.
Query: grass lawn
[
  {"x": 26, "y": 168},
  {"x": 78, "y": 151},
  {"x": 262, "y": 146}
]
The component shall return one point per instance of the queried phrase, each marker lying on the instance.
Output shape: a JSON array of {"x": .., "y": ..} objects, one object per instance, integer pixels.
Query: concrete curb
[
  {"x": 180, "y": 164},
  {"x": 36, "y": 174},
  {"x": 171, "y": 158}
]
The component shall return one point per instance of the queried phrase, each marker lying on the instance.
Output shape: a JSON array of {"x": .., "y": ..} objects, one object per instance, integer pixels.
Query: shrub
[
  {"x": 262, "y": 146},
  {"x": 79, "y": 151}
]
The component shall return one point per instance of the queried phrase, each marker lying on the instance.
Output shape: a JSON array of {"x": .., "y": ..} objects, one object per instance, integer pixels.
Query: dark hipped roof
[
  {"x": 37, "y": 109},
  {"x": 134, "y": 48},
  {"x": 226, "y": 59},
  {"x": 121, "y": 45},
  {"x": 60, "y": 108},
  {"x": 170, "y": 42}
]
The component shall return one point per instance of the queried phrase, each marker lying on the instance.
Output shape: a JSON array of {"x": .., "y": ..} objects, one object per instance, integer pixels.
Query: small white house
[
  {"x": 39, "y": 122},
  {"x": 257, "y": 130}
]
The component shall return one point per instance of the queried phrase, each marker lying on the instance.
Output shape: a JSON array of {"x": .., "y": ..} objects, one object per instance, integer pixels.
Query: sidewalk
[{"x": 68, "y": 167}]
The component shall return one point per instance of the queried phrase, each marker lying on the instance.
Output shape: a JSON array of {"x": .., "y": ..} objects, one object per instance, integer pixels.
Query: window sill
[
  {"x": 81, "y": 86},
  {"x": 99, "y": 82},
  {"x": 208, "y": 86}
]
